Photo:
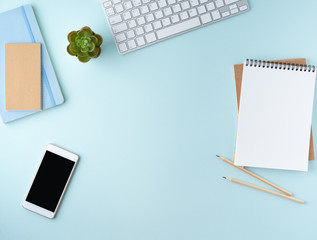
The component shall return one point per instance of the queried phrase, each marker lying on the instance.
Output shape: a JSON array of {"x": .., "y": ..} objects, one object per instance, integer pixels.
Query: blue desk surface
[{"x": 147, "y": 126}]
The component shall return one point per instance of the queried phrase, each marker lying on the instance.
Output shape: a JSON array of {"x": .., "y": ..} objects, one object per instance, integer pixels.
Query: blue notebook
[{"x": 20, "y": 26}]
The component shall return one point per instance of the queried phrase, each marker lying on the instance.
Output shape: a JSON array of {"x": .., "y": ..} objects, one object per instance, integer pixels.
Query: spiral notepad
[{"x": 275, "y": 115}]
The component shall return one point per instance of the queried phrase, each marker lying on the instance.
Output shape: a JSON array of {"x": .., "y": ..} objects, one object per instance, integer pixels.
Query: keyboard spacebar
[{"x": 177, "y": 28}]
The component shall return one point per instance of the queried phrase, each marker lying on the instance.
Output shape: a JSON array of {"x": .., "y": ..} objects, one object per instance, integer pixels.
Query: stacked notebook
[
  {"x": 275, "y": 113},
  {"x": 20, "y": 27}
]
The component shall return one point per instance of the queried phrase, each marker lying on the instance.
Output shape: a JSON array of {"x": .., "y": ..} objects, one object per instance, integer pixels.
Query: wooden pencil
[
  {"x": 264, "y": 189},
  {"x": 256, "y": 176}
]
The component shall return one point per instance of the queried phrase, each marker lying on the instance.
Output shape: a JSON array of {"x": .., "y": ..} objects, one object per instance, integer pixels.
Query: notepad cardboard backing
[{"x": 23, "y": 76}]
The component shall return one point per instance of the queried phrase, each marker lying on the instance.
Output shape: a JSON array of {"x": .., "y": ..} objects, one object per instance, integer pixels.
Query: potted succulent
[{"x": 84, "y": 44}]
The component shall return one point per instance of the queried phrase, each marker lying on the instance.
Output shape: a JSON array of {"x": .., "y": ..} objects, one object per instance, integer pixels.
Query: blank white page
[{"x": 274, "y": 120}]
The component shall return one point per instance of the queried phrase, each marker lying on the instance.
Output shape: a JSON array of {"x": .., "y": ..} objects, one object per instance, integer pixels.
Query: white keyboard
[{"x": 139, "y": 23}]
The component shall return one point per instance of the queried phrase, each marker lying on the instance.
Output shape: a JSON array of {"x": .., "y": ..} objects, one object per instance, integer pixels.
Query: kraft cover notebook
[
  {"x": 20, "y": 26},
  {"x": 23, "y": 76},
  {"x": 275, "y": 115},
  {"x": 238, "y": 70}
]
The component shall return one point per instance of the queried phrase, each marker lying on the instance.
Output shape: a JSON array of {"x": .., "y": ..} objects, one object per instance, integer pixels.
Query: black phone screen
[{"x": 50, "y": 181}]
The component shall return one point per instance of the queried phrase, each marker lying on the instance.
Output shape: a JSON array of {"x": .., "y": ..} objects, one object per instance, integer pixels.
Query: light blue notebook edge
[
  {"x": 49, "y": 78},
  {"x": 46, "y": 60}
]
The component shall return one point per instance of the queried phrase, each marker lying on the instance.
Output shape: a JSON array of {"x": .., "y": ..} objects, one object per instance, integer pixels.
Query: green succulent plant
[{"x": 84, "y": 44}]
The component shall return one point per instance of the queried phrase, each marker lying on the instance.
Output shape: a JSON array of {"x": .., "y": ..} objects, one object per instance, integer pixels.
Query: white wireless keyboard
[{"x": 139, "y": 23}]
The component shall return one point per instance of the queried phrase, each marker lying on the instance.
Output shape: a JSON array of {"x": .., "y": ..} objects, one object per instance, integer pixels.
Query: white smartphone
[{"x": 50, "y": 181}]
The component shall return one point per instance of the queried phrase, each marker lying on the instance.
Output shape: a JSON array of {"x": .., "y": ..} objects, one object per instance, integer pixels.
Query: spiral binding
[{"x": 279, "y": 65}]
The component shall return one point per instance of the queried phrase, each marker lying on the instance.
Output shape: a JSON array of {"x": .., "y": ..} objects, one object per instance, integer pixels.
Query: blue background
[{"x": 147, "y": 126}]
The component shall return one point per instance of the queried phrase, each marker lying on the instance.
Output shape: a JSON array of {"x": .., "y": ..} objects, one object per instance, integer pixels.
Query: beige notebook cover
[
  {"x": 23, "y": 76},
  {"x": 238, "y": 70}
]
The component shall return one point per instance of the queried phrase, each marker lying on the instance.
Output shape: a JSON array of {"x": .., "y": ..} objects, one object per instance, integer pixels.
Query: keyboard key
[
  {"x": 201, "y": 9},
  {"x": 126, "y": 15},
  {"x": 144, "y": 9},
  {"x": 215, "y": 15},
  {"x": 243, "y": 8},
  {"x": 175, "y": 18},
  {"x": 170, "y": 2},
  {"x": 225, "y": 14},
  {"x": 109, "y": 11},
  {"x": 120, "y": 37},
  {"x": 132, "y": 24},
  {"x": 210, "y": 6},
  {"x": 203, "y": 1},
  {"x": 194, "y": 3},
  {"x": 119, "y": 28},
  {"x": 162, "y": 3},
  {"x": 178, "y": 28},
  {"x": 130, "y": 34},
  {"x": 123, "y": 47},
  {"x": 205, "y": 18},
  {"x": 219, "y": 3},
  {"x": 185, "y": 5},
  {"x": 166, "y": 22},
  {"x": 157, "y": 25},
  {"x": 233, "y": 11},
  {"x": 233, "y": 6},
  {"x": 135, "y": 12},
  {"x": 193, "y": 12},
  {"x": 167, "y": 11},
  {"x": 119, "y": 8},
  {"x": 158, "y": 14},
  {"x": 131, "y": 44},
  {"x": 128, "y": 5},
  {"x": 116, "y": 1},
  {"x": 141, "y": 20},
  {"x": 107, "y": 4},
  {"x": 230, "y": 1},
  {"x": 139, "y": 31},
  {"x": 115, "y": 19},
  {"x": 140, "y": 41},
  {"x": 184, "y": 15},
  {"x": 176, "y": 8},
  {"x": 153, "y": 6},
  {"x": 149, "y": 17},
  {"x": 150, "y": 37},
  {"x": 148, "y": 28},
  {"x": 136, "y": 3}
]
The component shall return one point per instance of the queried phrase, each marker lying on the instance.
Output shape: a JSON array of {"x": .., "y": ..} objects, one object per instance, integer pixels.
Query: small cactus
[{"x": 84, "y": 44}]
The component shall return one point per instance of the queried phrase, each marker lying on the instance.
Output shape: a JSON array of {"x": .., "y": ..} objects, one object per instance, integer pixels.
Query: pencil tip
[
  {"x": 217, "y": 156},
  {"x": 224, "y": 177}
]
